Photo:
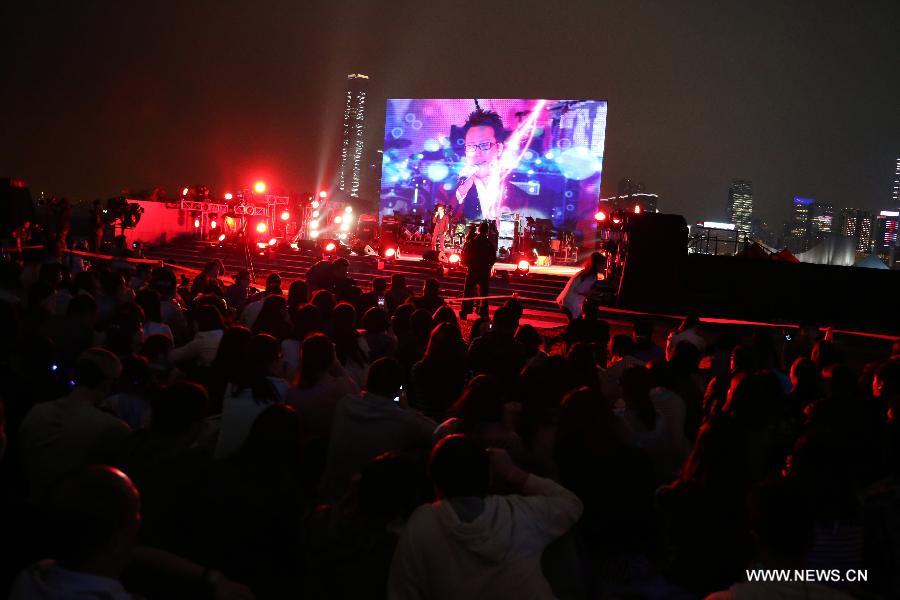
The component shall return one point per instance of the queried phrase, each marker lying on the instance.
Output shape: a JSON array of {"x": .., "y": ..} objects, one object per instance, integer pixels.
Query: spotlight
[
  {"x": 314, "y": 234},
  {"x": 285, "y": 216},
  {"x": 522, "y": 267},
  {"x": 454, "y": 259},
  {"x": 600, "y": 216},
  {"x": 196, "y": 223},
  {"x": 261, "y": 227},
  {"x": 616, "y": 220},
  {"x": 222, "y": 237},
  {"x": 314, "y": 224},
  {"x": 259, "y": 187},
  {"x": 390, "y": 253},
  {"x": 273, "y": 241},
  {"x": 315, "y": 214},
  {"x": 349, "y": 209},
  {"x": 345, "y": 226},
  {"x": 338, "y": 219},
  {"x": 228, "y": 196},
  {"x": 185, "y": 191},
  {"x": 323, "y": 194},
  {"x": 637, "y": 209},
  {"x": 330, "y": 247},
  {"x": 315, "y": 204},
  {"x": 213, "y": 223}
]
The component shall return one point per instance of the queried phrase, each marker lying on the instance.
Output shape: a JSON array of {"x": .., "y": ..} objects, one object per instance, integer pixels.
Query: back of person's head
[
  {"x": 804, "y": 375},
  {"x": 344, "y": 318},
  {"x": 263, "y": 352},
  {"x": 94, "y": 517},
  {"x": 483, "y": 228},
  {"x": 379, "y": 285},
  {"x": 636, "y": 388},
  {"x": 385, "y": 378},
  {"x": 272, "y": 316},
  {"x": 583, "y": 362},
  {"x": 719, "y": 458},
  {"x": 149, "y": 301},
  {"x": 685, "y": 358},
  {"x": 233, "y": 348},
  {"x": 590, "y": 310},
  {"x": 530, "y": 338},
  {"x": 273, "y": 443},
  {"x": 400, "y": 319},
  {"x": 480, "y": 403},
  {"x": 824, "y": 354},
  {"x": 886, "y": 382},
  {"x": 273, "y": 283},
  {"x": 480, "y": 326},
  {"x": 208, "y": 318},
  {"x": 445, "y": 314},
  {"x": 420, "y": 323},
  {"x": 841, "y": 383},
  {"x": 136, "y": 376},
  {"x": 375, "y": 320},
  {"x": 178, "y": 407},
  {"x": 643, "y": 329},
  {"x": 164, "y": 281},
  {"x": 307, "y": 319},
  {"x": 445, "y": 345},
  {"x": 324, "y": 301},
  {"x": 316, "y": 358},
  {"x": 691, "y": 321},
  {"x": 388, "y": 487},
  {"x": 83, "y": 306},
  {"x": 156, "y": 346},
  {"x": 431, "y": 287},
  {"x": 754, "y": 399},
  {"x": 743, "y": 359},
  {"x": 517, "y": 307},
  {"x": 398, "y": 281},
  {"x": 298, "y": 293},
  {"x": 505, "y": 321},
  {"x": 242, "y": 277},
  {"x": 621, "y": 345},
  {"x": 781, "y": 522},
  {"x": 96, "y": 368},
  {"x": 459, "y": 466},
  {"x": 340, "y": 266}
]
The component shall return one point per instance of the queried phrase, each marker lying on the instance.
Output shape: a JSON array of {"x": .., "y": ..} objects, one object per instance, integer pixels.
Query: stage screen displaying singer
[{"x": 536, "y": 158}]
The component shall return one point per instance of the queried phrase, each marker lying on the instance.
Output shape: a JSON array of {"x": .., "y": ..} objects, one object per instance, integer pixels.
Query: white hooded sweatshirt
[{"x": 495, "y": 555}]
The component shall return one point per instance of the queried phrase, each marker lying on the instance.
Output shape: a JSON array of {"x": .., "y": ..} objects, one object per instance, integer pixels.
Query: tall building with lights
[
  {"x": 887, "y": 226},
  {"x": 799, "y": 228},
  {"x": 353, "y": 137},
  {"x": 896, "y": 193},
  {"x": 857, "y": 224},
  {"x": 821, "y": 217},
  {"x": 740, "y": 206}
]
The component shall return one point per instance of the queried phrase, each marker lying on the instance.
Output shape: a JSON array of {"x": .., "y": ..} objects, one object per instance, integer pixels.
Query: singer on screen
[{"x": 481, "y": 183}]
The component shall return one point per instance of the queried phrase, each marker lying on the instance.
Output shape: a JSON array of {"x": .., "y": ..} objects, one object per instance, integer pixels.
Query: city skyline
[{"x": 820, "y": 120}]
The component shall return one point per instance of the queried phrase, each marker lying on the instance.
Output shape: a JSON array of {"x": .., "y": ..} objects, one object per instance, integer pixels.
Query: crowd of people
[{"x": 184, "y": 439}]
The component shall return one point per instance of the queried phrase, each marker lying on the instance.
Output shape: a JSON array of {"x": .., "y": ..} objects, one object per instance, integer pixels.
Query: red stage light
[
  {"x": 184, "y": 192},
  {"x": 523, "y": 266},
  {"x": 600, "y": 216},
  {"x": 330, "y": 247},
  {"x": 617, "y": 220},
  {"x": 261, "y": 227},
  {"x": 338, "y": 219},
  {"x": 213, "y": 224},
  {"x": 323, "y": 194},
  {"x": 196, "y": 223},
  {"x": 222, "y": 238},
  {"x": 285, "y": 216},
  {"x": 390, "y": 253},
  {"x": 228, "y": 196},
  {"x": 273, "y": 241},
  {"x": 637, "y": 209},
  {"x": 454, "y": 259},
  {"x": 259, "y": 187}
]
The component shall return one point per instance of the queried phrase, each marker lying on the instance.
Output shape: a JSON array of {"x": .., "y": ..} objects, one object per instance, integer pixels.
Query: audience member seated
[
  {"x": 380, "y": 341},
  {"x": 61, "y": 436},
  {"x": 365, "y": 426},
  {"x": 205, "y": 343},
  {"x": 532, "y": 341},
  {"x": 273, "y": 318},
  {"x": 431, "y": 299},
  {"x": 237, "y": 293},
  {"x": 298, "y": 295},
  {"x": 306, "y": 320},
  {"x": 438, "y": 379},
  {"x": 351, "y": 347},
  {"x": 497, "y": 352},
  {"x": 470, "y": 544},
  {"x": 397, "y": 294},
  {"x": 645, "y": 349},
  {"x": 257, "y": 385},
  {"x": 374, "y": 297},
  {"x": 149, "y": 301},
  {"x": 255, "y": 303},
  {"x": 621, "y": 357}
]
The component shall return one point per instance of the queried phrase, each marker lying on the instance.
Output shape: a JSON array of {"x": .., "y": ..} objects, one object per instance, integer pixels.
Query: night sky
[{"x": 802, "y": 97}]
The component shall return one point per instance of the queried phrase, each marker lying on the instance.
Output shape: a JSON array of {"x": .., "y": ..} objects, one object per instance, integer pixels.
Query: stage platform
[{"x": 561, "y": 270}]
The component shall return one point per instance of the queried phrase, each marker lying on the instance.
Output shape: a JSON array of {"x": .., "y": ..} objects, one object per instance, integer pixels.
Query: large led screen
[{"x": 493, "y": 159}]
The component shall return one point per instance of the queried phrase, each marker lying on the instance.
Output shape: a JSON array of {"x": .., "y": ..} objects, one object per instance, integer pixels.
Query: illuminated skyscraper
[
  {"x": 896, "y": 195},
  {"x": 886, "y": 228},
  {"x": 858, "y": 225},
  {"x": 800, "y": 225},
  {"x": 353, "y": 138},
  {"x": 821, "y": 216},
  {"x": 740, "y": 206}
]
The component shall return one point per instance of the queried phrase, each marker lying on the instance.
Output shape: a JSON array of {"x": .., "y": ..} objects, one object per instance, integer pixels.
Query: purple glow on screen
[{"x": 549, "y": 168}]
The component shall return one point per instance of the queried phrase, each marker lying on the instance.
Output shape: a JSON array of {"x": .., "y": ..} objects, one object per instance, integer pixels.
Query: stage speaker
[
  {"x": 431, "y": 255},
  {"x": 308, "y": 246},
  {"x": 655, "y": 264}
]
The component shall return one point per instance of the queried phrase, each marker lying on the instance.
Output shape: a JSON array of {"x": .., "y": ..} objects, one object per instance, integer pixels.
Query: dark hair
[
  {"x": 398, "y": 280},
  {"x": 385, "y": 377},
  {"x": 156, "y": 344},
  {"x": 445, "y": 314},
  {"x": 149, "y": 300},
  {"x": 298, "y": 294},
  {"x": 744, "y": 358},
  {"x": 420, "y": 323},
  {"x": 477, "y": 325},
  {"x": 596, "y": 259},
  {"x": 621, "y": 345},
  {"x": 485, "y": 118},
  {"x": 431, "y": 287},
  {"x": 324, "y": 301},
  {"x": 401, "y": 318},
  {"x": 636, "y": 385},
  {"x": 445, "y": 346},
  {"x": 480, "y": 403},
  {"x": 88, "y": 507},
  {"x": 82, "y": 305},
  {"x": 529, "y": 337},
  {"x": 505, "y": 320},
  {"x": 375, "y": 320},
  {"x": 719, "y": 457},
  {"x": 263, "y": 350},
  {"x": 379, "y": 284},
  {"x": 273, "y": 443},
  {"x": 316, "y": 357},
  {"x": 340, "y": 263},
  {"x": 459, "y": 466},
  {"x": 825, "y": 353},
  {"x": 307, "y": 319},
  {"x": 230, "y": 360},
  {"x": 177, "y": 407},
  {"x": 345, "y": 335},
  {"x": 272, "y": 318},
  {"x": 208, "y": 318}
]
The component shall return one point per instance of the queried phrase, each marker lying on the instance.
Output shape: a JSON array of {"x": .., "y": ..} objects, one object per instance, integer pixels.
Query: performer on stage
[
  {"x": 441, "y": 221},
  {"x": 478, "y": 255},
  {"x": 580, "y": 285},
  {"x": 481, "y": 184}
]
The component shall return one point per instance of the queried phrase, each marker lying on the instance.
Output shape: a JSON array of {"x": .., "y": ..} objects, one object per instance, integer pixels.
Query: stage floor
[{"x": 560, "y": 270}]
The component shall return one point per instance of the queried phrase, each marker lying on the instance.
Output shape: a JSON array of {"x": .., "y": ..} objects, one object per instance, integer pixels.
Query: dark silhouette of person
[{"x": 478, "y": 256}]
